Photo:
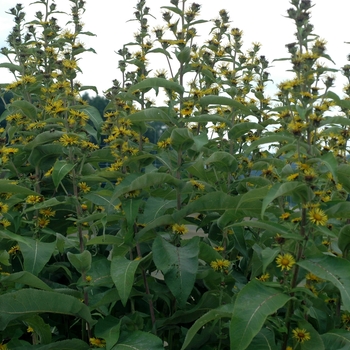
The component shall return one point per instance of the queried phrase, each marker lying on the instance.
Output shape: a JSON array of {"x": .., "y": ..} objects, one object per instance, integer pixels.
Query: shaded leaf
[
  {"x": 138, "y": 341},
  {"x": 253, "y": 305},
  {"x": 60, "y": 169},
  {"x": 31, "y": 301}
]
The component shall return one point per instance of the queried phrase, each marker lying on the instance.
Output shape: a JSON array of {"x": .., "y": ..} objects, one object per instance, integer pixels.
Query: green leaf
[
  {"x": 92, "y": 112},
  {"x": 69, "y": 344},
  {"x": 242, "y": 128},
  {"x": 184, "y": 55},
  {"x": 344, "y": 239},
  {"x": 343, "y": 172},
  {"x": 43, "y": 138},
  {"x": 336, "y": 339},
  {"x": 26, "y": 302},
  {"x": 283, "y": 189},
  {"x": 36, "y": 254},
  {"x": 108, "y": 328},
  {"x": 4, "y": 258},
  {"x": 224, "y": 311},
  {"x": 179, "y": 266},
  {"x": 81, "y": 262},
  {"x": 268, "y": 255},
  {"x": 223, "y": 161},
  {"x": 150, "y": 115},
  {"x": 264, "y": 340},
  {"x": 221, "y": 100},
  {"x": 7, "y": 186},
  {"x": 26, "y": 107},
  {"x": 12, "y": 67},
  {"x": 60, "y": 169},
  {"x": 27, "y": 278},
  {"x": 123, "y": 272},
  {"x": 42, "y": 329},
  {"x": 333, "y": 269},
  {"x": 154, "y": 83},
  {"x": 181, "y": 139},
  {"x": 138, "y": 340},
  {"x": 315, "y": 341},
  {"x": 253, "y": 305}
]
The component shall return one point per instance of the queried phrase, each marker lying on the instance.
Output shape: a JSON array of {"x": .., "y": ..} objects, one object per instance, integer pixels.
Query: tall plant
[{"x": 229, "y": 232}]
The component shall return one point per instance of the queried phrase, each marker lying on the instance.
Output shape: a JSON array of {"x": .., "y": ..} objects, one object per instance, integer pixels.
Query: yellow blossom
[
  {"x": 5, "y": 223},
  {"x": 84, "y": 187},
  {"x": 88, "y": 278},
  {"x": 220, "y": 265},
  {"x": 179, "y": 229},
  {"x": 292, "y": 177},
  {"x": 285, "y": 261},
  {"x": 219, "y": 249},
  {"x": 67, "y": 140},
  {"x": 3, "y": 208},
  {"x": 47, "y": 212},
  {"x": 34, "y": 199},
  {"x": 265, "y": 277},
  {"x": 14, "y": 249},
  {"x": 98, "y": 342},
  {"x": 317, "y": 216},
  {"x": 199, "y": 186},
  {"x": 301, "y": 335},
  {"x": 30, "y": 329},
  {"x": 165, "y": 143},
  {"x": 43, "y": 222}
]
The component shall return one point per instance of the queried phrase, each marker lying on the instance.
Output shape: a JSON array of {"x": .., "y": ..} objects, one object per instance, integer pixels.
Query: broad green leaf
[
  {"x": 92, "y": 112},
  {"x": 103, "y": 197},
  {"x": 253, "y": 305},
  {"x": 284, "y": 189},
  {"x": 156, "y": 207},
  {"x": 44, "y": 138},
  {"x": 26, "y": 107},
  {"x": 181, "y": 139},
  {"x": 147, "y": 180},
  {"x": 315, "y": 341},
  {"x": 338, "y": 209},
  {"x": 123, "y": 272},
  {"x": 12, "y": 67},
  {"x": 206, "y": 118},
  {"x": 223, "y": 161},
  {"x": 81, "y": 262},
  {"x": 184, "y": 55},
  {"x": 150, "y": 115},
  {"x": 336, "y": 339},
  {"x": 4, "y": 258},
  {"x": 69, "y": 344},
  {"x": 150, "y": 83},
  {"x": 42, "y": 329},
  {"x": 333, "y": 269},
  {"x": 108, "y": 328},
  {"x": 45, "y": 204},
  {"x": 179, "y": 266},
  {"x": 138, "y": 340},
  {"x": 242, "y": 128},
  {"x": 36, "y": 254},
  {"x": 268, "y": 255},
  {"x": 221, "y": 100},
  {"x": 343, "y": 172},
  {"x": 344, "y": 239},
  {"x": 27, "y": 302},
  {"x": 7, "y": 186},
  {"x": 60, "y": 169},
  {"x": 106, "y": 239},
  {"x": 224, "y": 311},
  {"x": 26, "y": 278},
  {"x": 264, "y": 340}
]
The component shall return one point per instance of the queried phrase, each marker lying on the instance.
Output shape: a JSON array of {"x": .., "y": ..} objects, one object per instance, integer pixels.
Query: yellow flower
[
  {"x": 3, "y": 208},
  {"x": 47, "y": 212},
  {"x": 345, "y": 317},
  {"x": 285, "y": 216},
  {"x": 34, "y": 199},
  {"x": 5, "y": 223},
  {"x": 292, "y": 177},
  {"x": 179, "y": 229},
  {"x": 264, "y": 277},
  {"x": 48, "y": 173},
  {"x": 311, "y": 277},
  {"x": 197, "y": 185},
  {"x": 165, "y": 143},
  {"x": 30, "y": 329},
  {"x": 220, "y": 265},
  {"x": 100, "y": 343},
  {"x": 84, "y": 187},
  {"x": 14, "y": 249},
  {"x": 219, "y": 249},
  {"x": 301, "y": 335},
  {"x": 43, "y": 222},
  {"x": 285, "y": 261},
  {"x": 88, "y": 278},
  {"x": 67, "y": 140},
  {"x": 317, "y": 216},
  {"x": 3, "y": 347}
]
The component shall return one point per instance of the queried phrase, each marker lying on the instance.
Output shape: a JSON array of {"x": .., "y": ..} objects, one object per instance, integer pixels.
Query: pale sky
[{"x": 261, "y": 21}]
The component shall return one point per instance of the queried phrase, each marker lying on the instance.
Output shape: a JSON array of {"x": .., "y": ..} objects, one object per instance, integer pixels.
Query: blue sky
[{"x": 261, "y": 21}]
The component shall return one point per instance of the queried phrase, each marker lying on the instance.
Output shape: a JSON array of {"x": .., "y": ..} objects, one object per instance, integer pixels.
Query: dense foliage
[{"x": 228, "y": 230}]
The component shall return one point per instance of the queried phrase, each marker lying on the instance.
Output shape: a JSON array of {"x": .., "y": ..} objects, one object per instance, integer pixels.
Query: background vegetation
[{"x": 216, "y": 219}]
